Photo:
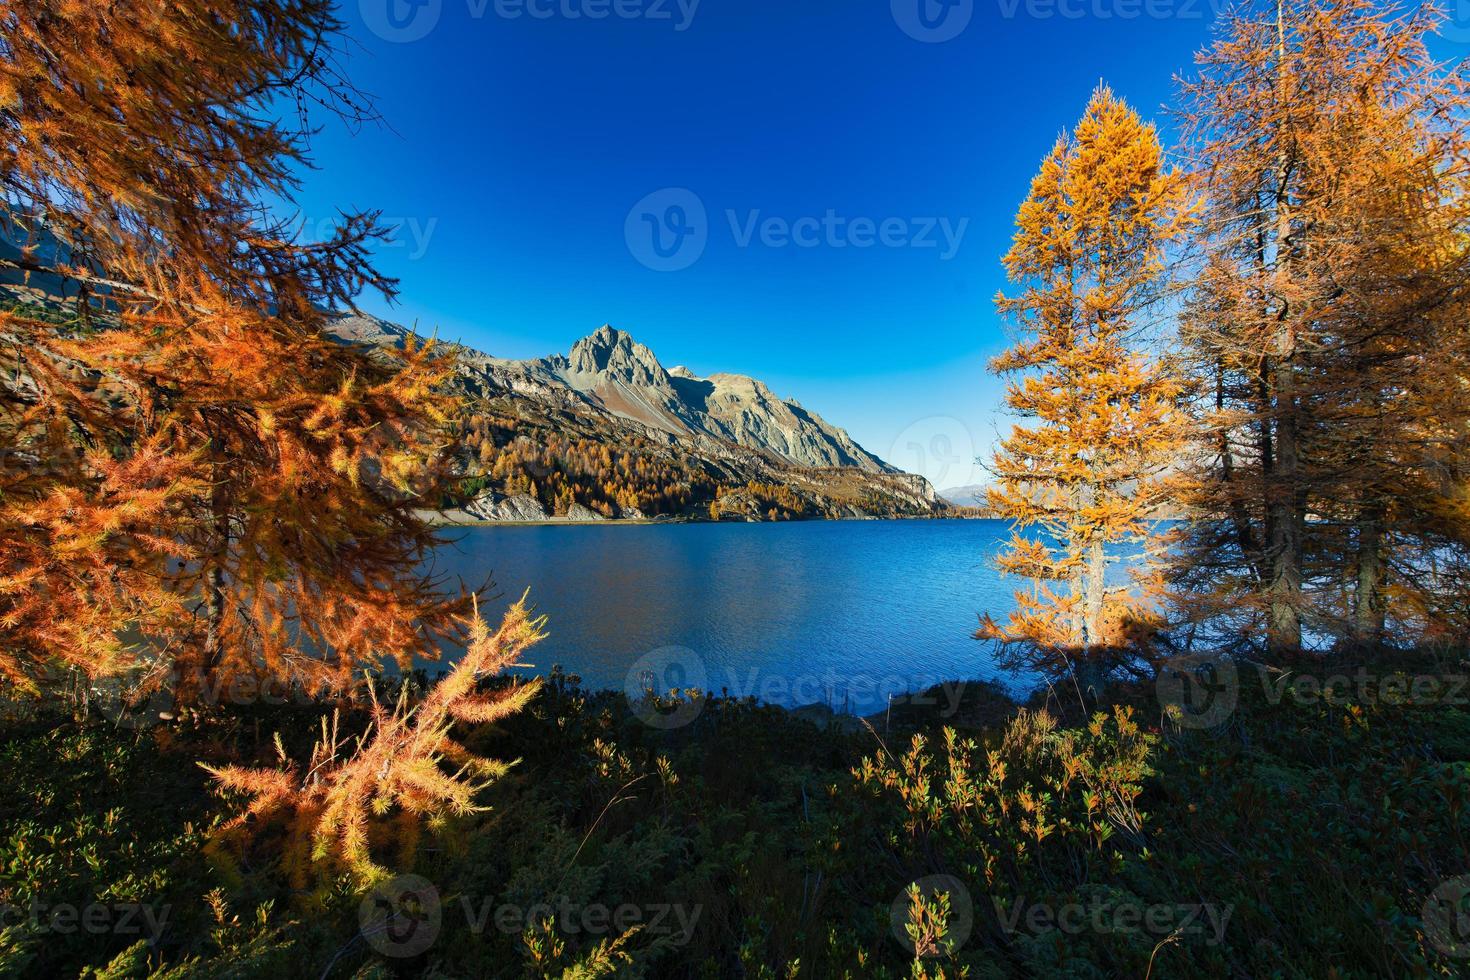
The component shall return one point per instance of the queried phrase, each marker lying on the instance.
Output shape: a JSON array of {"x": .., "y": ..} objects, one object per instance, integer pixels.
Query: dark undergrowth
[{"x": 1298, "y": 837}]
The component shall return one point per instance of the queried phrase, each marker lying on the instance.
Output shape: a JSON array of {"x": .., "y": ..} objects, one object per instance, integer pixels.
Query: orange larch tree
[
  {"x": 199, "y": 484},
  {"x": 1328, "y": 322},
  {"x": 1090, "y": 255},
  {"x": 355, "y": 795}
]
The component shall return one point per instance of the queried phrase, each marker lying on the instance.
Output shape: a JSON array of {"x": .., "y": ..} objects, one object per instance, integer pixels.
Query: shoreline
[{"x": 445, "y": 519}]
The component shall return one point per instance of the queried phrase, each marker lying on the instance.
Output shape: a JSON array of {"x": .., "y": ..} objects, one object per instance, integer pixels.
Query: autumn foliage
[
  {"x": 404, "y": 770},
  {"x": 199, "y": 485},
  {"x": 1322, "y": 358},
  {"x": 1089, "y": 258},
  {"x": 1327, "y": 325}
]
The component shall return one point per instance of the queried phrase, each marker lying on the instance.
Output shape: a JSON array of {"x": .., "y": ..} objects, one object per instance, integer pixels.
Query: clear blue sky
[{"x": 519, "y": 145}]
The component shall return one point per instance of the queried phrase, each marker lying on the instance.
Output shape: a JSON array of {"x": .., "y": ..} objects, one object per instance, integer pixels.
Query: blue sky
[{"x": 858, "y": 168}]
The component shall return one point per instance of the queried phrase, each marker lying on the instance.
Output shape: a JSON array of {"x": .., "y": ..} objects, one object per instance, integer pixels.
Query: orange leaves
[
  {"x": 1089, "y": 255},
  {"x": 1327, "y": 321},
  {"x": 350, "y": 786},
  {"x": 76, "y": 561},
  {"x": 139, "y": 124},
  {"x": 193, "y": 464}
]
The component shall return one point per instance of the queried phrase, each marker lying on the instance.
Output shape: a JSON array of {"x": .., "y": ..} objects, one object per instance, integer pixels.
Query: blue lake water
[{"x": 841, "y": 612}]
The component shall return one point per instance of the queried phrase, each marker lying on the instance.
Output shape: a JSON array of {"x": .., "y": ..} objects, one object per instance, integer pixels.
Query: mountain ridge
[
  {"x": 619, "y": 374},
  {"x": 727, "y": 441}
]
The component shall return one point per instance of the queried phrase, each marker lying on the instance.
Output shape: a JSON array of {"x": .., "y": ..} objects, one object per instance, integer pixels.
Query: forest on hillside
[
  {"x": 1249, "y": 758},
  {"x": 570, "y": 460}
]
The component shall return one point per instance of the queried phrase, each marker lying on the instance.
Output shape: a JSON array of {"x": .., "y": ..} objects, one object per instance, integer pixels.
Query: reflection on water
[{"x": 842, "y": 612}]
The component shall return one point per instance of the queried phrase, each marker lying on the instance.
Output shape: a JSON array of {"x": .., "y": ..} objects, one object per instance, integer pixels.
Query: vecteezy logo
[
  {"x": 957, "y": 926},
  {"x": 658, "y": 673},
  {"x": 401, "y": 917},
  {"x": 940, "y": 449},
  {"x": 1456, "y": 24},
  {"x": 401, "y": 21},
  {"x": 1198, "y": 691},
  {"x": 933, "y": 21},
  {"x": 667, "y": 230},
  {"x": 1447, "y": 917}
]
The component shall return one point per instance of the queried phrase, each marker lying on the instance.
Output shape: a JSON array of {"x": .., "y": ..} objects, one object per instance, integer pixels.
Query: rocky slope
[{"x": 730, "y": 445}]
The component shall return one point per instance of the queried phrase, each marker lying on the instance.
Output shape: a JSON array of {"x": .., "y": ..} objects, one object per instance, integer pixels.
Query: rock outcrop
[
  {"x": 492, "y": 506},
  {"x": 580, "y": 512}
]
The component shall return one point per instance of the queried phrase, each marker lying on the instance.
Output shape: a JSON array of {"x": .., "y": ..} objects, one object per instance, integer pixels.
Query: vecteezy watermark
[
  {"x": 1361, "y": 687},
  {"x": 1203, "y": 691},
  {"x": 939, "y": 448},
  {"x": 932, "y": 21},
  {"x": 142, "y": 919},
  {"x": 852, "y": 691},
  {"x": 1446, "y": 916},
  {"x": 411, "y": 234},
  {"x": 401, "y": 917},
  {"x": 1111, "y": 9},
  {"x": 1456, "y": 25},
  {"x": 143, "y": 699},
  {"x": 404, "y": 21},
  {"x": 678, "y": 13},
  {"x": 914, "y": 929},
  {"x": 667, "y": 688},
  {"x": 669, "y": 229},
  {"x": 404, "y": 916},
  {"x": 401, "y": 21},
  {"x": 673, "y": 921},
  {"x": 833, "y": 230},
  {"x": 659, "y": 685},
  {"x": 1198, "y": 691},
  {"x": 1105, "y": 914}
]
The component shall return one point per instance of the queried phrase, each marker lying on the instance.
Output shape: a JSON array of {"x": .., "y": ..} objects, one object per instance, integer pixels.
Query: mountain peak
[
  {"x": 609, "y": 371},
  {"x": 607, "y": 334},
  {"x": 614, "y": 353}
]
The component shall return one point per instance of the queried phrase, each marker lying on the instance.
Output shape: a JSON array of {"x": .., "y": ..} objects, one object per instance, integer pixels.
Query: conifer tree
[
  {"x": 197, "y": 479},
  {"x": 1089, "y": 255},
  {"x": 1328, "y": 321}
]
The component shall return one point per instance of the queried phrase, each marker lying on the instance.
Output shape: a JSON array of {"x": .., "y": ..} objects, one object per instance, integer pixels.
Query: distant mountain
[
  {"x": 613, "y": 372},
  {"x": 972, "y": 495},
  {"x": 726, "y": 439}
]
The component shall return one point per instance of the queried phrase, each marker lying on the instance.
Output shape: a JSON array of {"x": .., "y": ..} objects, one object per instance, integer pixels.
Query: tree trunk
[
  {"x": 1284, "y": 631},
  {"x": 1284, "y": 497},
  {"x": 214, "y": 586},
  {"x": 1094, "y": 592},
  {"x": 196, "y": 672},
  {"x": 1368, "y": 611}
]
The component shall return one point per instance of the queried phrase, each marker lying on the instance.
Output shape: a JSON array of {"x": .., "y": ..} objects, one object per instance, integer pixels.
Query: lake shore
[{"x": 459, "y": 518}]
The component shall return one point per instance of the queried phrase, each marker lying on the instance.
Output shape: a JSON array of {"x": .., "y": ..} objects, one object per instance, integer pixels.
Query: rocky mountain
[
  {"x": 727, "y": 442},
  {"x": 611, "y": 371},
  {"x": 606, "y": 431}
]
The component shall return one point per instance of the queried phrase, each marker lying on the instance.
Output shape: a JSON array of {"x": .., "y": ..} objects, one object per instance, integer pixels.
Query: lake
[{"x": 840, "y": 612}]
